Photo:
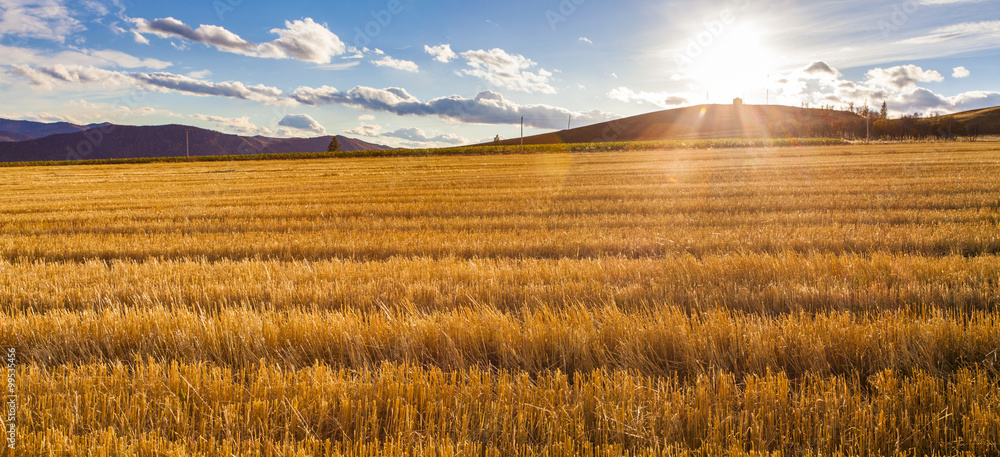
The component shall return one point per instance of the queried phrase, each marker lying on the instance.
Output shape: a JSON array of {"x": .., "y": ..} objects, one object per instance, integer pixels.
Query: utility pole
[
  {"x": 570, "y": 123},
  {"x": 522, "y": 134},
  {"x": 868, "y": 130},
  {"x": 187, "y": 138}
]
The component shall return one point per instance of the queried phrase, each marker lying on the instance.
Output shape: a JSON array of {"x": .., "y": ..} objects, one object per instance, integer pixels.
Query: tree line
[{"x": 876, "y": 124}]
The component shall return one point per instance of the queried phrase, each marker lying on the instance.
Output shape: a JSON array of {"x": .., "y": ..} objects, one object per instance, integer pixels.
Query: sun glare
[{"x": 736, "y": 62}]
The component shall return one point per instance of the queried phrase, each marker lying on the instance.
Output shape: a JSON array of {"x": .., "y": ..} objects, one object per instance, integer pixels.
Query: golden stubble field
[{"x": 796, "y": 301}]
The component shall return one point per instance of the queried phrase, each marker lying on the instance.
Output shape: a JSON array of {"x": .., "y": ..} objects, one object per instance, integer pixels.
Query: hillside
[
  {"x": 719, "y": 121},
  {"x": 11, "y": 130},
  {"x": 707, "y": 121},
  {"x": 123, "y": 142},
  {"x": 984, "y": 121}
]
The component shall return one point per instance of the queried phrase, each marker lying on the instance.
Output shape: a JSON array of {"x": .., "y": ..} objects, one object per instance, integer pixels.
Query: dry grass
[{"x": 803, "y": 301}]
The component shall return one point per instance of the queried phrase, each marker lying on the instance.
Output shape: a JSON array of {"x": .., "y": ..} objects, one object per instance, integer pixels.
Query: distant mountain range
[{"x": 26, "y": 141}]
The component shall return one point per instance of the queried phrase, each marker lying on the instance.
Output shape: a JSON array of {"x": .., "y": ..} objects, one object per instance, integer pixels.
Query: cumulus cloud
[
  {"x": 302, "y": 122},
  {"x": 442, "y": 53},
  {"x": 488, "y": 107},
  {"x": 41, "y": 19},
  {"x": 510, "y": 71},
  {"x": 419, "y": 136},
  {"x": 50, "y": 76},
  {"x": 414, "y": 136},
  {"x": 236, "y": 125},
  {"x": 368, "y": 130},
  {"x": 661, "y": 99},
  {"x": 586, "y": 40},
  {"x": 901, "y": 77},
  {"x": 404, "y": 65},
  {"x": 960, "y": 72},
  {"x": 896, "y": 86},
  {"x": 820, "y": 68},
  {"x": 924, "y": 100},
  {"x": 303, "y": 40}
]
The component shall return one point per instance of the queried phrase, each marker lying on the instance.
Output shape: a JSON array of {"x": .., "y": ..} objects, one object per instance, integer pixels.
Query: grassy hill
[
  {"x": 986, "y": 120},
  {"x": 707, "y": 121},
  {"x": 746, "y": 121}
]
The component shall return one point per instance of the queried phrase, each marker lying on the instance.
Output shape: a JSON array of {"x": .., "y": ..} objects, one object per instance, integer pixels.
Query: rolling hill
[
  {"x": 719, "y": 121},
  {"x": 702, "y": 121},
  {"x": 109, "y": 141},
  {"x": 984, "y": 121}
]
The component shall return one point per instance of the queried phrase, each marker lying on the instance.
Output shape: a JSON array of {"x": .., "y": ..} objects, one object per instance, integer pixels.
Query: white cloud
[
  {"x": 302, "y": 122},
  {"x": 419, "y": 136},
  {"x": 303, "y": 40},
  {"x": 414, "y": 136},
  {"x": 586, "y": 40},
  {"x": 404, "y": 65},
  {"x": 236, "y": 125},
  {"x": 60, "y": 75},
  {"x": 901, "y": 77},
  {"x": 44, "y": 117},
  {"x": 121, "y": 59},
  {"x": 84, "y": 57},
  {"x": 364, "y": 129},
  {"x": 210, "y": 35},
  {"x": 508, "y": 70},
  {"x": 200, "y": 74},
  {"x": 95, "y": 7},
  {"x": 139, "y": 38},
  {"x": 486, "y": 108},
  {"x": 896, "y": 86},
  {"x": 42, "y": 19},
  {"x": 985, "y": 30},
  {"x": 820, "y": 67},
  {"x": 442, "y": 53},
  {"x": 961, "y": 72},
  {"x": 366, "y": 117},
  {"x": 661, "y": 99}
]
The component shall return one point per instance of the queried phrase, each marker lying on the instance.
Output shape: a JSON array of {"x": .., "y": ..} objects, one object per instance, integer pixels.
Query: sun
[{"x": 736, "y": 61}]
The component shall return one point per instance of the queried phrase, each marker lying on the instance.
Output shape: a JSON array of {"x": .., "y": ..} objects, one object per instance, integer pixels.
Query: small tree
[
  {"x": 334, "y": 145},
  {"x": 884, "y": 112}
]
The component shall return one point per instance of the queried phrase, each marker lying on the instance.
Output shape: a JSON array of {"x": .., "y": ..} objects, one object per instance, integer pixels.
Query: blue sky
[{"x": 417, "y": 73}]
